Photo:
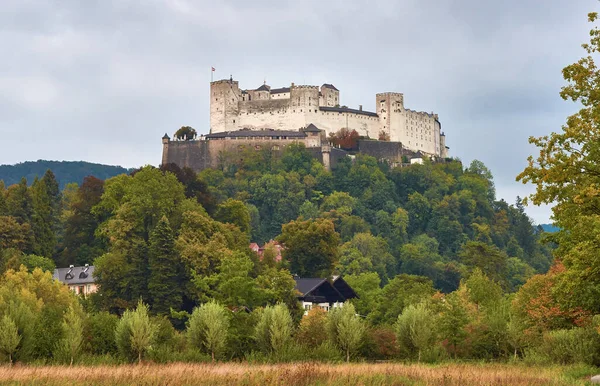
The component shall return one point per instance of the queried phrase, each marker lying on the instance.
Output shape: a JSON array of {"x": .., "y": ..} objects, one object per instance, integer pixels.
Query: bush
[
  {"x": 135, "y": 333},
  {"x": 99, "y": 333},
  {"x": 578, "y": 345}
]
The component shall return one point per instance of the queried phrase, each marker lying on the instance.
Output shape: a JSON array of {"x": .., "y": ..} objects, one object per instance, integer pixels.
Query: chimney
[{"x": 360, "y": 107}]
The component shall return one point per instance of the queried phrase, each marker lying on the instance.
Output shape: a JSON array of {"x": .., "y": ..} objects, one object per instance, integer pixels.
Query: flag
[{"x": 213, "y": 69}]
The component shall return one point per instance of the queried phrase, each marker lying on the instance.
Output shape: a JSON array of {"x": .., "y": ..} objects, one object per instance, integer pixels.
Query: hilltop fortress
[
  {"x": 267, "y": 117},
  {"x": 295, "y": 107}
]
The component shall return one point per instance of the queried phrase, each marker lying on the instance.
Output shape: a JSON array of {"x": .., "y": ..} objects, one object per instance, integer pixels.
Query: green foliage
[
  {"x": 65, "y": 171},
  {"x": 234, "y": 212},
  {"x": 311, "y": 247},
  {"x": 273, "y": 332},
  {"x": 312, "y": 330},
  {"x": 135, "y": 333},
  {"x": 185, "y": 133},
  {"x": 163, "y": 284},
  {"x": 345, "y": 328},
  {"x": 400, "y": 292},
  {"x": 415, "y": 330},
  {"x": 9, "y": 337},
  {"x": 99, "y": 333},
  {"x": 72, "y": 339},
  {"x": 208, "y": 328},
  {"x": 32, "y": 262}
]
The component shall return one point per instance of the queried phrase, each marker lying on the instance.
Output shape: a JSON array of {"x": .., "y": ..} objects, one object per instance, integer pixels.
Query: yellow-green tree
[{"x": 566, "y": 173}]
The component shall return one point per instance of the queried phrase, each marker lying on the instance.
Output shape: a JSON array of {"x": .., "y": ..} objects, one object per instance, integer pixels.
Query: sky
[{"x": 103, "y": 80}]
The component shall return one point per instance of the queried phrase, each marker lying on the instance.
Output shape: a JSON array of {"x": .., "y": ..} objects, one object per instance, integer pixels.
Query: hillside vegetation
[{"x": 65, "y": 171}]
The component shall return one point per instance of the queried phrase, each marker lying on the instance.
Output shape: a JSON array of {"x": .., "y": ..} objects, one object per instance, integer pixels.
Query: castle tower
[
  {"x": 165, "y": 142},
  {"x": 224, "y": 105},
  {"x": 330, "y": 96},
  {"x": 390, "y": 107}
]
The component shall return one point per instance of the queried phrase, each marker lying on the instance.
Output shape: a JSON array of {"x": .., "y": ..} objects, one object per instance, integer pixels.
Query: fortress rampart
[{"x": 298, "y": 106}]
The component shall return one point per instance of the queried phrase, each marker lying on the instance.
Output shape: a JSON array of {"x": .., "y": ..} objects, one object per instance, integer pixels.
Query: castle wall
[{"x": 231, "y": 110}]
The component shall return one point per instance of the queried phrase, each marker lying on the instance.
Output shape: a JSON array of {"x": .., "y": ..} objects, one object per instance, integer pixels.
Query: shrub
[
  {"x": 578, "y": 345},
  {"x": 345, "y": 329},
  {"x": 415, "y": 330},
  {"x": 99, "y": 333}
]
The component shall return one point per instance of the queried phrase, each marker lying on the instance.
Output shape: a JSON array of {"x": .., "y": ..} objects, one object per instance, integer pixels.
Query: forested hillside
[
  {"x": 65, "y": 171},
  {"x": 428, "y": 241}
]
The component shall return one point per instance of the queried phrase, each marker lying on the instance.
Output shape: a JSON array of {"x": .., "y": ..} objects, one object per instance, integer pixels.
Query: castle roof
[
  {"x": 312, "y": 129},
  {"x": 280, "y": 90},
  {"x": 348, "y": 110},
  {"x": 166, "y": 136},
  {"x": 327, "y": 85},
  {"x": 247, "y": 133},
  {"x": 264, "y": 87}
]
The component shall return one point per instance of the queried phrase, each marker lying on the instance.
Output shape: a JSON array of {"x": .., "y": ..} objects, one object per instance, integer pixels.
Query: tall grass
[{"x": 297, "y": 374}]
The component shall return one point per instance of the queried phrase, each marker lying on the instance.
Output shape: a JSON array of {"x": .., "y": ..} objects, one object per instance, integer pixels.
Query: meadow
[{"x": 298, "y": 374}]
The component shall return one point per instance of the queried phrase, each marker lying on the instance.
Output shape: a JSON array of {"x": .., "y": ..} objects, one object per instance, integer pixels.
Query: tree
[
  {"x": 345, "y": 138},
  {"x": 208, "y": 328},
  {"x": 345, "y": 328},
  {"x": 415, "y": 329},
  {"x": 13, "y": 234},
  {"x": 234, "y": 212},
  {"x": 452, "y": 322},
  {"x": 400, "y": 292},
  {"x": 9, "y": 337},
  {"x": 135, "y": 333},
  {"x": 273, "y": 331},
  {"x": 164, "y": 283},
  {"x": 488, "y": 258},
  {"x": 312, "y": 331},
  {"x": 72, "y": 334},
  {"x": 566, "y": 175},
  {"x": 186, "y": 133},
  {"x": 311, "y": 247}
]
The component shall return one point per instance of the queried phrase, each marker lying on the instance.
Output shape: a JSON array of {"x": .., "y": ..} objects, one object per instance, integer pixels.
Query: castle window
[{"x": 234, "y": 121}]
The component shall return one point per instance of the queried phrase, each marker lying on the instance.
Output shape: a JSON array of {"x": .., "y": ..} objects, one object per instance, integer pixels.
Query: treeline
[
  {"x": 65, "y": 171},
  {"x": 426, "y": 245}
]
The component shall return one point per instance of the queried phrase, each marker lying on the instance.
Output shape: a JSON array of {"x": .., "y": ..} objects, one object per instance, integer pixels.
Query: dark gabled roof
[
  {"x": 306, "y": 285},
  {"x": 166, "y": 136},
  {"x": 344, "y": 288},
  {"x": 347, "y": 110},
  {"x": 280, "y": 90},
  {"x": 327, "y": 85},
  {"x": 311, "y": 129},
  {"x": 257, "y": 133},
  {"x": 75, "y": 275},
  {"x": 322, "y": 290},
  {"x": 264, "y": 87}
]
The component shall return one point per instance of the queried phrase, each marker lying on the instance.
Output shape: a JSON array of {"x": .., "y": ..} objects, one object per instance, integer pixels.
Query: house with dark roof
[
  {"x": 324, "y": 293},
  {"x": 79, "y": 279}
]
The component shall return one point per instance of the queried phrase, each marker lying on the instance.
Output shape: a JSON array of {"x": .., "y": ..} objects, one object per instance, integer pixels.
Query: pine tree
[
  {"x": 164, "y": 283},
  {"x": 42, "y": 220},
  {"x": 18, "y": 201},
  {"x": 3, "y": 206}
]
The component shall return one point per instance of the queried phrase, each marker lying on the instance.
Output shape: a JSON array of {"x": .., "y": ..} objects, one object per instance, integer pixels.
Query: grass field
[{"x": 297, "y": 374}]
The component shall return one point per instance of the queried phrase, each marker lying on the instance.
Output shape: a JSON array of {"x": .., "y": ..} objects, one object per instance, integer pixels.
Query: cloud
[{"x": 104, "y": 80}]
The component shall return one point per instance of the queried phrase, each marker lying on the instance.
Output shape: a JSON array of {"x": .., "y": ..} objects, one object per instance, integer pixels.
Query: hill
[
  {"x": 549, "y": 228},
  {"x": 65, "y": 171}
]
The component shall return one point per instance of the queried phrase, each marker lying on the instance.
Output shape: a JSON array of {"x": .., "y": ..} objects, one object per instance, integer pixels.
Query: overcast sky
[{"x": 102, "y": 80}]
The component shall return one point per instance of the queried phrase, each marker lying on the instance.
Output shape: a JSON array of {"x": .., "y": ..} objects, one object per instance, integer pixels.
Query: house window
[
  {"x": 307, "y": 307},
  {"x": 80, "y": 290}
]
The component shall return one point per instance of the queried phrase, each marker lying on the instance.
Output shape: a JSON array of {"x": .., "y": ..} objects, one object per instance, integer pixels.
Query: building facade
[
  {"x": 79, "y": 279},
  {"x": 298, "y": 106}
]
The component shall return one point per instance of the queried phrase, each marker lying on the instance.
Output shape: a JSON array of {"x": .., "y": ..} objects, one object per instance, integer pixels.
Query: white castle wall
[{"x": 230, "y": 109}]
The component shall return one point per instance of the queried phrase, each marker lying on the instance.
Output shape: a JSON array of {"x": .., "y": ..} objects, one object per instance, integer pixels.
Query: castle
[
  {"x": 295, "y": 107},
  {"x": 274, "y": 118}
]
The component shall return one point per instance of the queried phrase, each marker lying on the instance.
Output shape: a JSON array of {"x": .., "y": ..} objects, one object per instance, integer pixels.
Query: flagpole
[{"x": 211, "y": 74}]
